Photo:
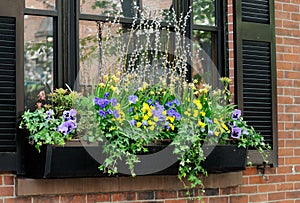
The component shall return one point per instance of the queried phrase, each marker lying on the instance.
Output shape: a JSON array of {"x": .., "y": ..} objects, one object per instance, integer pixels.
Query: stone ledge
[{"x": 29, "y": 187}]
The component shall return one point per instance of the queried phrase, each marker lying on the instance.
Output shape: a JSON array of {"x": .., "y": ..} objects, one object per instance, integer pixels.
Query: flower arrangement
[
  {"x": 51, "y": 123},
  {"x": 131, "y": 117}
]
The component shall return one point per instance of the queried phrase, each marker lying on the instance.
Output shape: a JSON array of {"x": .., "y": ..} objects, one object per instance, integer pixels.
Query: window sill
[{"x": 29, "y": 187}]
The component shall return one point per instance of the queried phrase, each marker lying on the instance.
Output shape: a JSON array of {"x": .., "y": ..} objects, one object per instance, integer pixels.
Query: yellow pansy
[
  {"x": 170, "y": 118},
  {"x": 224, "y": 126},
  {"x": 201, "y": 124},
  {"x": 195, "y": 113},
  {"x": 155, "y": 118},
  {"x": 138, "y": 124},
  {"x": 101, "y": 85}
]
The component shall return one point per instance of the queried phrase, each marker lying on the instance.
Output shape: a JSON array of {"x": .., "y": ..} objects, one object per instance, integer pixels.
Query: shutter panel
[
  {"x": 255, "y": 71},
  {"x": 11, "y": 60}
]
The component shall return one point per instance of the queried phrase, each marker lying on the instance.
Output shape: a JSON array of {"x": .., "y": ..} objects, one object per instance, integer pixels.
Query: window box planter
[
  {"x": 224, "y": 158},
  {"x": 71, "y": 160}
]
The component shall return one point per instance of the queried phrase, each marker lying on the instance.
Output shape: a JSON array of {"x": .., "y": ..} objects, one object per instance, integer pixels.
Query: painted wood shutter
[
  {"x": 255, "y": 63},
  {"x": 11, "y": 82}
]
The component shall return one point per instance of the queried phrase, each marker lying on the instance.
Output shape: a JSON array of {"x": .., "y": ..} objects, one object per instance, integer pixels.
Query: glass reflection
[
  {"x": 40, "y": 4},
  {"x": 38, "y": 57},
  {"x": 204, "y": 12}
]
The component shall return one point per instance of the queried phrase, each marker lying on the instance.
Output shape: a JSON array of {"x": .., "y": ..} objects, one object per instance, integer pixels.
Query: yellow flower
[
  {"x": 198, "y": 104},
  {"x": 111, "y": 128},
  {"x": 113, "y": 88},
  {"x": 101, "y": 85},
  {"x": 155, "y": 118},
  {"x": 151, "y": 127},
  {"x": 172, "y": 126},
  {"x": 195, "y": 113},
  {"x": 115, "y": 79},
  {"x": 202, "y": 113},
  {"x": 224, "y": 126},
  {"x": 170, "y": 118},
  {"x": 151, "y": 123},
  {"x": 164, "y": 112},
  {"x": 136, "y": 117},
  {"x": 201, "y": 124},
  {"x": 149, "y": 113},
  {"x": 152, "y": 93},
  {"x": 216, "y": 121},
  {"x": 217, "y": 133},
  {"x": 145, "y": 117},
  {"x": 138, "y": 124}
]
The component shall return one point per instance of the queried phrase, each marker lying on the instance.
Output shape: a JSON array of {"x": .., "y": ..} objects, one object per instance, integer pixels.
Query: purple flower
[
  {"x": 116, "y": 114},
  {"x": 169, "y": 104},
  {"x": 102, "y": 113},
  {"x": 245, "y": 132},
  {"x": 109, "y": 111},
  {"x": 145, "y": 123},
  {"x": 210, "y": 133},
  {"x": 49, "y": 113},
  {"x": 173, "y": 112},
  {"x": 106, "y": 95},
  {"x": 131, "y": 109},
  {"x": 166, "y": 125},
  {"x": 133, "y": 99},
  {"x": 236, "y": 114},
  {"x": 132, "y": 122},
  {"x": 66, "y": 127},
  {"x": 113, "y": 101},
  {"x": 176, "y": 102},
  {"x": 208, "y": 120},
  {"x": 102, "y": 103},
  {"x": 149, "y": 101},
  {"x": 69, "y": 115},
  {"x": 236, "y": 132}
]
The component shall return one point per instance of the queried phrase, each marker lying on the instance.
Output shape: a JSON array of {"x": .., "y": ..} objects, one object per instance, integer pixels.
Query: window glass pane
[
  {"x": 204, "y": 12},
  {"x": 204, "y": 44},
  {"x": 124, "y": 8},
  {"x": 154, "y": 8},
  {"x": 99, "y": 51},
  {"x": 38, "y": 57},
  {"x": 40, "y": 4}
]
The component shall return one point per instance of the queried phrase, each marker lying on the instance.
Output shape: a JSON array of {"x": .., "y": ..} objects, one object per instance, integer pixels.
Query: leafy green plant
[{"x": 54, "y": 121}]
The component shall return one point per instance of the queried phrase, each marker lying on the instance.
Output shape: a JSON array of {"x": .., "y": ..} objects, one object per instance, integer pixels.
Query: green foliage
[{"x": 48, "y": 123}]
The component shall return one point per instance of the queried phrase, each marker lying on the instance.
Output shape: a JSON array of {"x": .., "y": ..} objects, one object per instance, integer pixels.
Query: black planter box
[
  {"x": 224, "y": 158},
  {"x": 71, "y": 160}
]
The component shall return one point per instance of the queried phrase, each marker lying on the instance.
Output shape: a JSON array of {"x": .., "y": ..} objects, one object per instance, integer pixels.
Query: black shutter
[
  {"x": 11, "y": 60},
  {"x": 255, "y": 71}
]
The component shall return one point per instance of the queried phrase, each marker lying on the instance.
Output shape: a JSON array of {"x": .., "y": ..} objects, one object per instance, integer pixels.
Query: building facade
[{"x": 276, "y": 183}]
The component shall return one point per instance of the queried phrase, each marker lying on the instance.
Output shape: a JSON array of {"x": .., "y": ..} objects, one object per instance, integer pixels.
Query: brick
[
  {"x": 258, "y": 198},
  {"x": 218, "y": 199},
  {"x": 145, "y": 195},
  {"x": 122, "y": 196},
  {"x": 9, "y": 180},
  {"x": 292, "y": 160},
  {"x": 186, "y": 193},
  {"x": 238, "y": 199},
  {"x": 276, "y": 196},
  {"x": 285, "y": 152},
  {"x": 250, "y": 171},
  {"x": 292, "y": 143},
  {"x": 248, "y": 189},
  {"x": 6, "y": 191},
  {"x": 73, "y": 198},
  {"x": 211, "y": 191},
  {"x": 98, "y": 198},
  {"x": 290, "y": 8},
  {"x": 266, "y": 188},
  {"x": 176, "y": 201},
  {"x": 285, "y": 186},
  {"x": 284, "y": 169},
  {"x": 165, "y": 194},
  {"x": 293, "y": 195},
  {"x": 292, "y": 177},
  {"x": 1, "y": 180},
  {"x": 256, "y": 180},
  {"x": 18, "y": 200},
  {"x": 276, "y": 178},
  {"x": 229, "y": 190},
  {"x": 46, "y": 199}
]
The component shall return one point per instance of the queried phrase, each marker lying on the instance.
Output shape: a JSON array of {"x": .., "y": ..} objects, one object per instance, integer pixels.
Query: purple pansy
[
  {"x": 132, "y": 122},
  {"x": 102, "y": 103},
  {"x": 173, "y": 112},
  {"x": 116, "y": 114},
  {"x": 66, "y": 127},
  {"x": 49, "y": 113},
  {"x": 102, "y": 113},
  {"x": 236, "y": 132},
  {"x": 236, "y": 114},
  {"x": 106, "y": 95},
  {"x": 176, "y": 102},
  {"x": 133, "y": 99},
  {"x": 113, "y": 101},
  {"x": 169, "y": 104}
]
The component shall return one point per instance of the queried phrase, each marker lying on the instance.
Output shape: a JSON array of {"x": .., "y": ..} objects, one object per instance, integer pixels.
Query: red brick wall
[{"x": 282, "y": 184}]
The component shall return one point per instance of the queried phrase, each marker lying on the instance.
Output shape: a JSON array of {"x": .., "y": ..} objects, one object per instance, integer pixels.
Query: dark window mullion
[{"x": 40, "y": 12}]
